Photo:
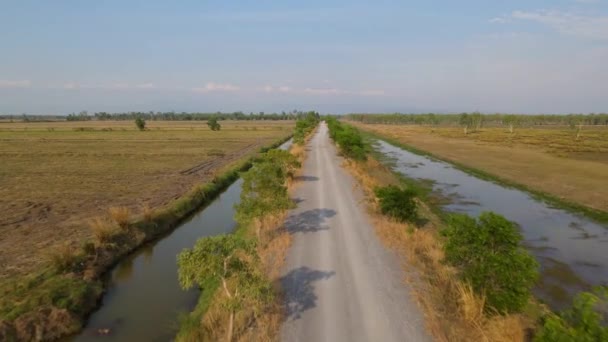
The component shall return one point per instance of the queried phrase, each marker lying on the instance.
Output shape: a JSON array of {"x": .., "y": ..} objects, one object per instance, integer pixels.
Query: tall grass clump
[
  {"x": 490, "y": 257},
  {"x": 585, "y": 321},
  {"x": 348, "y": 138},
  {"x": 120, "y": 215},
  {"x": 103, "y": 231},
  {"x": 64, "y": 258},
  {"x": 397, "y": 203}
]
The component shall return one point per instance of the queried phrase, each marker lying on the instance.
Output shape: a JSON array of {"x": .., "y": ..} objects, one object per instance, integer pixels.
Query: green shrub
[
  {"x": 264, "y": 189},
  {"x": 235, "y": 262},
  {"x": 490, "y": 257},
  {"x": 305, "y": 126},
  {"x": 213, "y": 124},
  {"x": 349, "y": 138},
  {"x": 586, "y": 321},
  {"x": 397, "y": 203},
  {"x": 140, "y": 123}
]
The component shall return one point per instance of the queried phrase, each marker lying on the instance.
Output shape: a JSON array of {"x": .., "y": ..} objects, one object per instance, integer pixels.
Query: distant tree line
[
  {"x": 477, "y": 120},
  {"x": 158, "y": 116}
]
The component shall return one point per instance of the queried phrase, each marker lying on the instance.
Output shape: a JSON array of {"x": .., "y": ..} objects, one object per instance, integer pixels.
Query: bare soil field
[
  {"x": 549, "y": 160},
  {"x": 56, "y": 176}
]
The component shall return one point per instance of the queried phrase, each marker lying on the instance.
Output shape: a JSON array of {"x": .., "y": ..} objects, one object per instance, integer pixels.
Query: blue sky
[{"x": 333, "y": 56}]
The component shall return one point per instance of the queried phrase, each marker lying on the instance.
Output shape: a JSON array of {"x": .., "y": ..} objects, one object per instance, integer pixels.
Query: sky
[{"x": 333, "y": 56}]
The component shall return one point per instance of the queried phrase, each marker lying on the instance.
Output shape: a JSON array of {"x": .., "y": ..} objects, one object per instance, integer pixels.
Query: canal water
[
  {"x": 143, "y": 298},
  {"x": 572, "y": 249}
]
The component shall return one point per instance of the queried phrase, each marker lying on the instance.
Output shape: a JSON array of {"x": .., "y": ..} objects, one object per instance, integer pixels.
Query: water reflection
[{"x": 569, "y": 247}]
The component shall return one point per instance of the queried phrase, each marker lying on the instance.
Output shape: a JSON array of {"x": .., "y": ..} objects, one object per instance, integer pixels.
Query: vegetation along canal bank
[
  {"x": 474, "y": 277},
  {"x": 144, "y": 299},
  {"x": 560, "y": 159},
  {"x": 238, "y": 273},
  {"x": 52, "y": 300}
]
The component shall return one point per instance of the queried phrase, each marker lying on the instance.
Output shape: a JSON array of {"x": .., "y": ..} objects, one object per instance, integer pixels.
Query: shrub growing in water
[
  {"x": 585, "y": 321},
  {"x": 397, "y": 203},
  {"x": 491, "y": 259}
]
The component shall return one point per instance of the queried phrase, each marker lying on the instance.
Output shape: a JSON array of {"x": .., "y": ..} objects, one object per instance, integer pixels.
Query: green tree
[
  {"x": 233, "y": 261},
  {"x": 477, "y": 121},
  {"x": 140, "y": 123},
  {"x": 576, "y": 123},
  {"x": 466, "y": 122},
  {"x": 511, "y": 121},
  {"x": 490, "y": 257},
  {"x": 397, "y": 203},
  {"x": 213, "y": 124}
]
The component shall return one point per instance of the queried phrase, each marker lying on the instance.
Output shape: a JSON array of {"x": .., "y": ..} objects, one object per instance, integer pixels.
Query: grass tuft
[
  {"x": 64, "y": 258},
  {"x": 103, "y": 231},
  {"x": 120, "y": 215}
]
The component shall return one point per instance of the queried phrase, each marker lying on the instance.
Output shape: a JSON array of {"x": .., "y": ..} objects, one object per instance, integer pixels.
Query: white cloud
[
  {"x": 593, "y": 27},
  {"x": 71, "y": 85},
  {"x": 209, "y": 87},
  {"x": 325, "y": 91},
  {"x": 279, "y": 89},
  {"x": 500, "y": 20},
  {"x": 116, "y": 86},
  {"x": 372, "y": 92},
  {"x": 145, "y": 86},
  {"x": 15, "y": 84}
]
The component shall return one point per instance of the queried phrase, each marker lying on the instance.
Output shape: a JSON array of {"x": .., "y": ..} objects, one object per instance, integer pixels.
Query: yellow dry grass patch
[
  {"x": 56, "y": 176},
  {"x": 453, "y": 311}
]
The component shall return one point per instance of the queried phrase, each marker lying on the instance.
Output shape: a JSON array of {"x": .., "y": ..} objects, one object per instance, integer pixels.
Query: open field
[
  {"x": 549, "y": 160},
  {"x": 56, "y": 176}
]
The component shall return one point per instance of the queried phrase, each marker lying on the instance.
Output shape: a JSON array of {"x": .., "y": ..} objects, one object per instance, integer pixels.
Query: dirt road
[{"x": 340, "y": 283}]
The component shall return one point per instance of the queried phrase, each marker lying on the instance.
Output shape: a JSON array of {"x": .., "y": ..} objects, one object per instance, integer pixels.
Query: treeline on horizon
[
  {"x": 160, "y": 116},
  {"x": 487, "y": 119}
]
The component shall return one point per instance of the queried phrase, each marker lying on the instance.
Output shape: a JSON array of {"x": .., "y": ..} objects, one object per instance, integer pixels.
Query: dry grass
[
  {"x": 54, "y": 177},
  {"x": 547, "y": 160},
  {"x": 147, "y": 213},
  {"x": 64, "y": 257},
  {"x": 121, "y": 216},
  {"x": 103, "y": 230},
  {"x": 453, "y": 311}
]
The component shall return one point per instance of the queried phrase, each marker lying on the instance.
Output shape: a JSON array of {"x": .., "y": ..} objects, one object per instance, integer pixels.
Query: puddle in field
[{"x": 570, "y": 248}]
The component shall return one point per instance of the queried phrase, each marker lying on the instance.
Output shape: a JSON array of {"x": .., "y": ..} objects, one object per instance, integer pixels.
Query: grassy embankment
[
  {"x": 447, "y": 258},
  {"x": 49, "y": 298},
  {"x": 454, "y": 310},
  {"x": 547, "y": 163},
  {"x": 239, "y": 273}
]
